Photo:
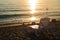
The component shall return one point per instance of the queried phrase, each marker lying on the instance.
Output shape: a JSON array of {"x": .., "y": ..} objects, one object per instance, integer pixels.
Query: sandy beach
[{"x": 23, "y": 32}]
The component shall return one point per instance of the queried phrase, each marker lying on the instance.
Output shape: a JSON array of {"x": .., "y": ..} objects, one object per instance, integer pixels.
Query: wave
[
  {"x": 12, "y": 16},
  {"x": 12, "y": 10}
]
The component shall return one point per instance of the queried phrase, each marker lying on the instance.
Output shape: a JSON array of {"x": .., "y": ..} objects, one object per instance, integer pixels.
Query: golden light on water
[
  {"x": 32, "y": 4},
  {"x": 33, "y": 18},
  {"x": 34, "y": 26}
]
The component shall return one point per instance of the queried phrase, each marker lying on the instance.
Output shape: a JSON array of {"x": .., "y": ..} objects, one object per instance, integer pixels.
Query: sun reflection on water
[
  {"x": 32, "y": 4},
  {"x": 33, "y": 18},
  {"x": 34, "y": 26}
]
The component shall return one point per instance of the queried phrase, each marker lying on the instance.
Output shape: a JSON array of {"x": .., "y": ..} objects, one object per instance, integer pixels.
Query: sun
[{"x": 32, "y": 4}]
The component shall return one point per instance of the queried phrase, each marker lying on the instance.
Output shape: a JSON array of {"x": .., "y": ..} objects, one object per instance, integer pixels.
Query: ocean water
[
  {"x": 19, "y": 11},
  {"x": 25, "y": 17},
  {"x": 11, "y": 17}
]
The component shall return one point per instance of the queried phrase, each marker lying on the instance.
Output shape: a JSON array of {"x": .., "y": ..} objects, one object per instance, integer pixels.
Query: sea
[{"x": 23, "y": 12}]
